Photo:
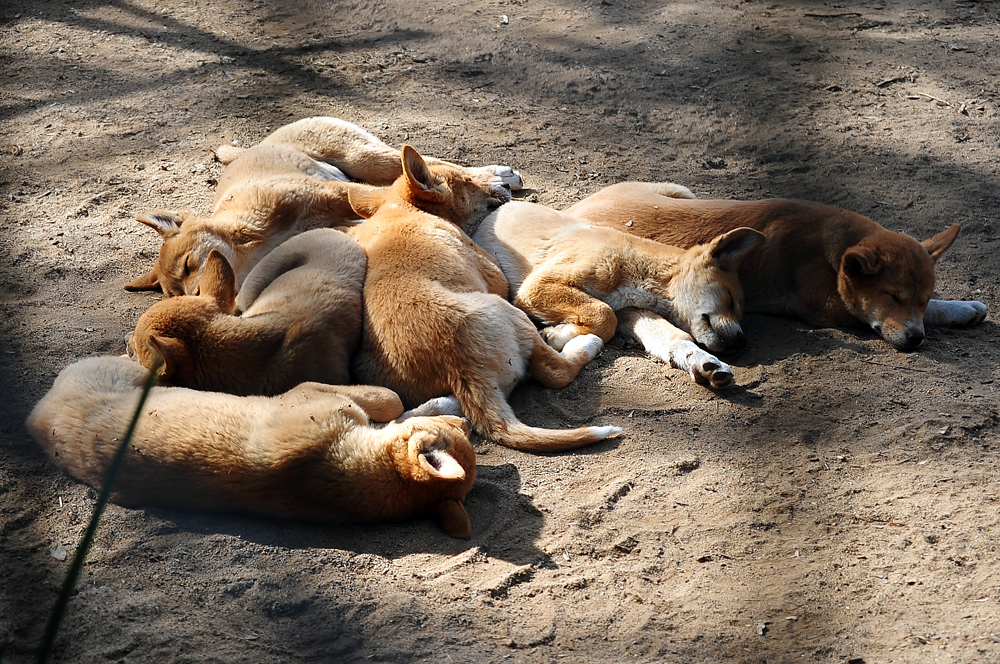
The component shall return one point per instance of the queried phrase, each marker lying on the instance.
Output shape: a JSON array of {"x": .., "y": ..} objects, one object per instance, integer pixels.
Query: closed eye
[{"x": 895, "y": 298}]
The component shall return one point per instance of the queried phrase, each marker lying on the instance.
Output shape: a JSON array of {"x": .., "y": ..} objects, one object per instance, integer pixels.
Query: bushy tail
[
  {"x": 494, "y": 419},
  {"x": 228, "y": 153}
]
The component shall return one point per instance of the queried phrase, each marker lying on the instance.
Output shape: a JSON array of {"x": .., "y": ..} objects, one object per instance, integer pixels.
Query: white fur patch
[
  {"x": 954, "y": 312},
  {"x": 438, "y": 406},
  {"x": 558, "y": 336},
  {"x": 606, "y": 432},
  {"x": 504, "y": 174},
  {"x": 589, "y": 343}
]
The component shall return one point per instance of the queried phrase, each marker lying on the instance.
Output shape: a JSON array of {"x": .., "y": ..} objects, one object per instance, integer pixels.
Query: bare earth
[{"x": 839, "y": 504}]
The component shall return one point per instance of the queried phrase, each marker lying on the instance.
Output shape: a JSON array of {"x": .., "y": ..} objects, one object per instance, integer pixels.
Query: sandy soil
[{"x": 839, "y": 504}]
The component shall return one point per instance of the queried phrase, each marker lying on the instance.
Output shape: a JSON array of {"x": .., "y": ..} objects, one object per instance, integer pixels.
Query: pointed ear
[
  {"x": 164, "y": 222},
  {"x": 731, "y": 248},
  {"x": 421, "y": 179},
  {"x": 173, "y": 354},
  {"x": 218, "y": 281},
  {"x": 441, "y": 465},
  {"x": 937, "y": 245},
  {"x": 860, "y": 260},
  {"x": 453, "y": 519},
  {"x": 148, "y": 281},
  {"x": 367, "y": 203}
]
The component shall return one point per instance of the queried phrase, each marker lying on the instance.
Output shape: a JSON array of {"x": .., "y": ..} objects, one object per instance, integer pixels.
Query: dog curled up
[
  {"x": 296, "y": 179},
  {"x": 576, "y": 277},
  {"x": 308, "y": 454},
  {"x": 818, "y": 263},
  {"x": 436, "y": 317},
  {"x": 296, "y": 319}
]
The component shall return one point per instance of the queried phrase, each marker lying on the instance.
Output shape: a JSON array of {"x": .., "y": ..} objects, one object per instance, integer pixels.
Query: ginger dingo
[
  {"x": 308, "y": 454},
  {"x": 818, "y": 263},
  {"x": 437, "y": 321}
]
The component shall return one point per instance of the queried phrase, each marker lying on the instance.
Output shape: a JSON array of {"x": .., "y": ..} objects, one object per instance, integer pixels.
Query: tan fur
[
  {"x": 573, "y": 276},
  {"x": 296, "y": 179},
  {"x": 437, "y": 321},
  {"x": 300, "y": 321},
  {"x": 308, "y": 454},
  {"x": 821, "y": 264}
]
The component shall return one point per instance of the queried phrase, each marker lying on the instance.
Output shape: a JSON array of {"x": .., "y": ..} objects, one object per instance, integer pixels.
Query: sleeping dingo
[{"x": 308, "y": 454}]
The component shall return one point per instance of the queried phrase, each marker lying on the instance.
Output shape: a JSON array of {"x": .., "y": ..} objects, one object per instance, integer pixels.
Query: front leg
[
  {"x": 957, "y": 313},
  {"x": 568, "y": 312},
  {"x": 674, "y": 346}
]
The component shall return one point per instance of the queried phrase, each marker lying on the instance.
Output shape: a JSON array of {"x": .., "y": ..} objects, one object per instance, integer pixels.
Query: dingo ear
[
  {"x": 218, "y": 281},
  {"x": 173, "y": 353},
  {"x": 937, "y": 245},
  {"x": 164, "y": 222},
  {"x": 441, "y": 465},
  {"x": 729, "y": 249},
  {"x": 148, "y": 281},
  {"x": 424, "y": 183},
  {"x": 367, "y": 203},
  {"x": 861, "y": 260},
  {"x": 459, "y": 423},
  {"x": 453, "y": 519}
]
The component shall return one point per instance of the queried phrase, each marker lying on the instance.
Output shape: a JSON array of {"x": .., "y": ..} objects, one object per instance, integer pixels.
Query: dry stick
[
  {"x": 896, "y": 366},
  {"x": 48, "y": 640}
]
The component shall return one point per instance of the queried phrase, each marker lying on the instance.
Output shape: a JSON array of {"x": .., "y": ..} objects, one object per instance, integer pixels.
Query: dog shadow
[{"x": 505, "y": 525}]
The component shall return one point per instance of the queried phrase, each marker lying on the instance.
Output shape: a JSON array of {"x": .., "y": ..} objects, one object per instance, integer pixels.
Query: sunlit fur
[
  {"x": 308, "y": 454},
  {"x": 437, "y": 321},
  {"x": 296, "y": 179}
]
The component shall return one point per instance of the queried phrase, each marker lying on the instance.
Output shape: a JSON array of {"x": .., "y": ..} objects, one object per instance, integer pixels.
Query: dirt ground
[{"x": 840, "y": 503}]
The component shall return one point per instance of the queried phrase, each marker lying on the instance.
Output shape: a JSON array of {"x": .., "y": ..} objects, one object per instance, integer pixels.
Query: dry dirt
[{"x": 839, "y": 504}]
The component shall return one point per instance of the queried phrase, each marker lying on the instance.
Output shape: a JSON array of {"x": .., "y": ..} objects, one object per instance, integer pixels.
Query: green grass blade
[{"x": 59, "y": 610}]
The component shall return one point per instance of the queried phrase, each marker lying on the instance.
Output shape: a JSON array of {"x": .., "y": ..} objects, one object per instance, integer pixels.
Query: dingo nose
[
  {"x": 739, "y": 341},
  {"x": 914, "y": 338}
]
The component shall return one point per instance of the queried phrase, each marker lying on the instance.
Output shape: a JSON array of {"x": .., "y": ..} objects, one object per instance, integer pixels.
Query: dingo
[{"x": 308, "y": 454}]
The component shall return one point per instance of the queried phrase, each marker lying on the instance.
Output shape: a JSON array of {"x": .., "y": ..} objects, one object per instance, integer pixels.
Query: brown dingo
[
  {"x": 308, "y": 454},
  {"x": 821, "y": 264}
]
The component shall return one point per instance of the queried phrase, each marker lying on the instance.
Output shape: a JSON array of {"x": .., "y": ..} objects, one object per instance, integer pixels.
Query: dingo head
[
  {"x": 707, "y": 293},
  {"x": 187, "y": 242},
  {"x": 435, "y": 456},
  {"x": 171, "y": 329},
  {"x": 887, "y": 280},
  {"x": 460, "y": 195}
]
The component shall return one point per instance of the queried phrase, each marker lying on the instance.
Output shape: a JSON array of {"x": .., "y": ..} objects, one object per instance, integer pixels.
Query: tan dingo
[
  {"x": 308, "y": 454},
  {"x": 574, "y": 277},
  {"x": 296, "y": 179}
]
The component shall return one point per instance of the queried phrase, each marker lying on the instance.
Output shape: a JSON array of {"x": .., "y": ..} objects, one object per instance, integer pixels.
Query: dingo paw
[{"x": 957, "y": 313}]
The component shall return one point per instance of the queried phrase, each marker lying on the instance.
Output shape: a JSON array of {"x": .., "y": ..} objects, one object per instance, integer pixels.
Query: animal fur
[
  {"x": 573, "y": 277},
  {"x": 308, "y": 454},
  {"x": 437, "y": 321},
  {"x": 296, "y": 179},
  {"x": 296, "y": 319},
  {"x": 818, "y": 263}
]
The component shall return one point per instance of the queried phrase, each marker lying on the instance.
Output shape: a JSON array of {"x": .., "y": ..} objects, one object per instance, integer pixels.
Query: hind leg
[
  {"x": 557, "y": 369},
  {"x": 568, "y": 312}
]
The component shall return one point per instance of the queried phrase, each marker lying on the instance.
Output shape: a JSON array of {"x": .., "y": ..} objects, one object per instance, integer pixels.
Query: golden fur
[
  {"x": 573, "y": 276},
  {"x": 437, "y": 321},
  {"x": 308, "y": 454},
  {"x": 821, "y": 264},
  {"x": 296, "y": 319},
  {"x": 296, "y": 179}
]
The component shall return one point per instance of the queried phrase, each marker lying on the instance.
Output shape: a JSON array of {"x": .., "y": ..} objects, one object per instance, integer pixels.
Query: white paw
[
  {"x": 505, "y": 175},
  {"x": 954, "y": 312},
  {"x": 705, "y": 368},
  {"x": 591, "y": 344},
  {"x": 558, "y": 336},
  {"x": 438, "y": 406}
]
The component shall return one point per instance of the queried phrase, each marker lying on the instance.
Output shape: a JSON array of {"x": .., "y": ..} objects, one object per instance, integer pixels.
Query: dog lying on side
[
  {"x": 308, "y": 454},
  {"x": 300, "y": 321},
  {"x": 821, "y": 264},
  {"x": 574, "y": 276},
  {"x": 437, "y": 321},
  {"x": 296, "y": 179}
]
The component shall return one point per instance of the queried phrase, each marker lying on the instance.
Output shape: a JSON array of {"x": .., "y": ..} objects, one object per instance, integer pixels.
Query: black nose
[
  {"x": 914, "y": 338},
  {"x": 505, "y": 186},
  {"x": 738, "y": 342}
]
